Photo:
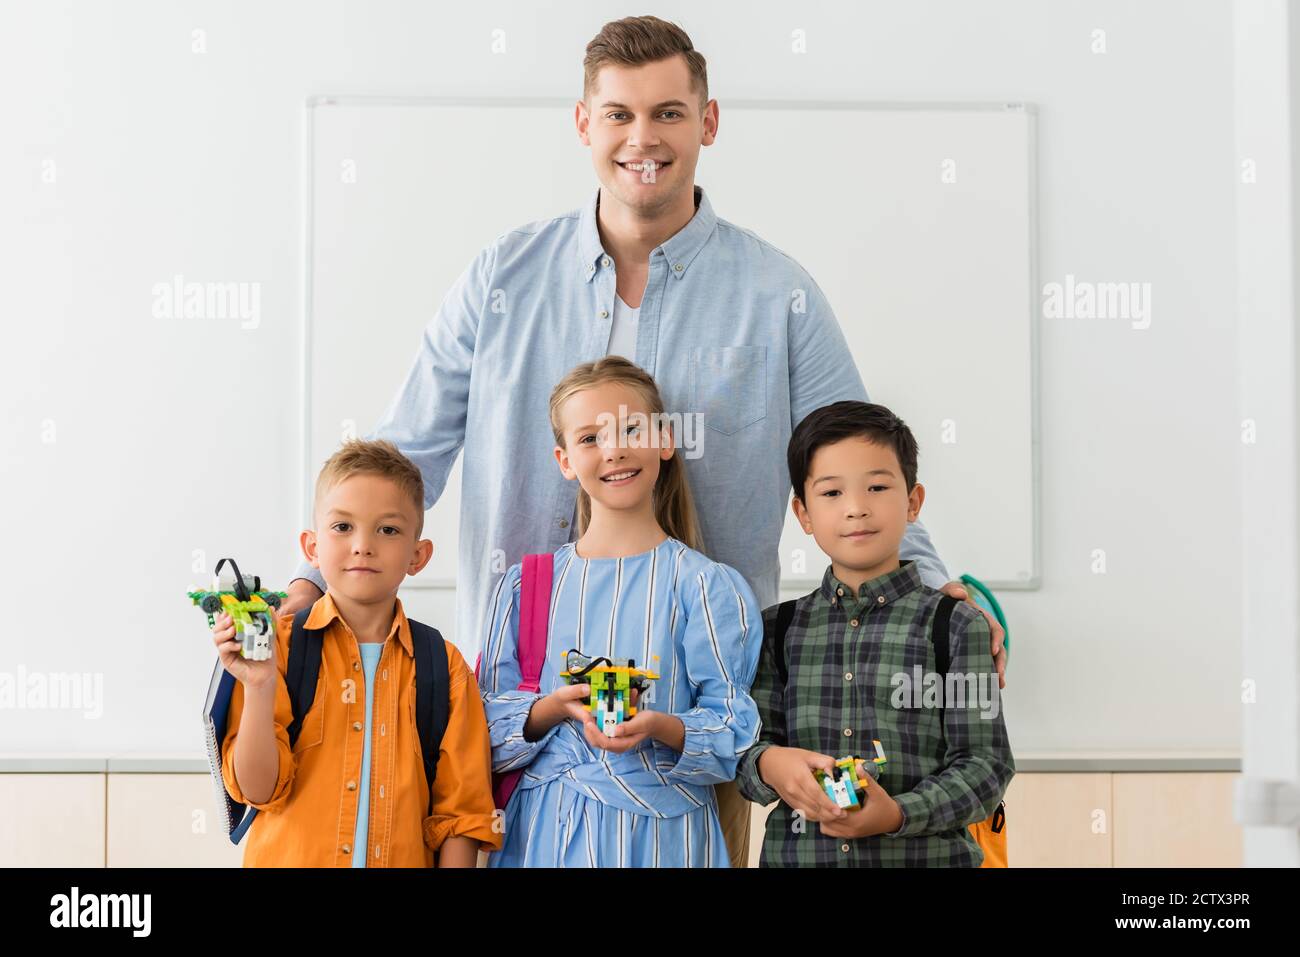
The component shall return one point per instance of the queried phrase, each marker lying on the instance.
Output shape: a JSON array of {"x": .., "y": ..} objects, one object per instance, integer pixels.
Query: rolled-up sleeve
[
  {"x": 722, "y": 641},
  {"x": 282, "y": 718},
  {"x": 506, "y": 707},
  {"x": 916, "y": 546},
  {"x": 313, "y": 575},
  {"x": 462, "y": 787}
]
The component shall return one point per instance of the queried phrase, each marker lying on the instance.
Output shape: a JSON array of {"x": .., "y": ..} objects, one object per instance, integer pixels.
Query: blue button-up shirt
[{"x": 730, "y": 327}]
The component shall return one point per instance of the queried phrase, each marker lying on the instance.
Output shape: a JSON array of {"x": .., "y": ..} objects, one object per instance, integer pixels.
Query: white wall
[{"x": 173, "y": 162}]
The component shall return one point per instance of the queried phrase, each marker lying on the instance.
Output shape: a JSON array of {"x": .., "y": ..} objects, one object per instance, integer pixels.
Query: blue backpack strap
[
  {"x": 939, "y": 629},
  {"x": 303, "y": 670},
  {"x": 784, "y": 615},
  {"x": 432, "y": 695},
  {"x": 301, "y": 675}
]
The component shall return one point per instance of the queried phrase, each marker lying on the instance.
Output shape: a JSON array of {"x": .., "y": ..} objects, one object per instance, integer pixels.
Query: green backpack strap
[{"x": 970, "y": 581}]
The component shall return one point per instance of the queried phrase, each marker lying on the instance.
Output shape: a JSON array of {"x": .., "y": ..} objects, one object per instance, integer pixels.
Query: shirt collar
[
  {"x": 881, "y": 590},
  {"x": 325, "y": 611},
  {"x": 681, "y": 248}
]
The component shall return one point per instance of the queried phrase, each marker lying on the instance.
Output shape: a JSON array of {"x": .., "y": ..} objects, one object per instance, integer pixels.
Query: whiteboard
[{"x": 917, "y": 221}]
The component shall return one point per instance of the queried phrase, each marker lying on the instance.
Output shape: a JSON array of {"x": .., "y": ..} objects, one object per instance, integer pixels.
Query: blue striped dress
[{"x": 579, "y": 806}]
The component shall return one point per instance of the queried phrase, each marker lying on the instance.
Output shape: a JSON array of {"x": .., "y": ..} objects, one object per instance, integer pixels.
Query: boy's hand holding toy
[
  {"x": 880, "y": 814},
  {"x": 789, "y": 772},
  {"x": 254, "y": 675}
]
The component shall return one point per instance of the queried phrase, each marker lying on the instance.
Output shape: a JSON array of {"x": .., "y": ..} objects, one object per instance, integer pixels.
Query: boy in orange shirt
[{"x": 352, "y": 791}]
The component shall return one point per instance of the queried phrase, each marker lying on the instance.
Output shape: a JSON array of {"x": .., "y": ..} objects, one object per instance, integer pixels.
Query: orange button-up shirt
[{"x": 311, "y": 816}]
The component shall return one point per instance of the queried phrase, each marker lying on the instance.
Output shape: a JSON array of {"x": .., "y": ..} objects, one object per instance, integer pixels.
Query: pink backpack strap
[
  {"x": 534, "y": 610},
  {"x": 534, "y": 613}
]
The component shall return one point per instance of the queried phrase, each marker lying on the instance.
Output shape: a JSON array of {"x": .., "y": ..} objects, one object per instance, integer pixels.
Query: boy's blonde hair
[
  {"x": 674, "y": 507},
  {"x": 374, "y": 457}
]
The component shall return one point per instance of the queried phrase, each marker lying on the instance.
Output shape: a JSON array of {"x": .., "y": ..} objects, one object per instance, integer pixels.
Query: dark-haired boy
[{"x": 845, "y": 671}]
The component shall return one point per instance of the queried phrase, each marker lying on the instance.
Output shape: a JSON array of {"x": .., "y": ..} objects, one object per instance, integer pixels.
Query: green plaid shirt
[{"x": 947, "y": 766}]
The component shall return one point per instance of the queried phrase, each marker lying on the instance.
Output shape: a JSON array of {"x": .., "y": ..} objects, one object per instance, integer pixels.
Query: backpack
[
  {"x": 432, "y": 699},
  {"x": 530, "y": 650},
  {"x": 990, "y": 834}
]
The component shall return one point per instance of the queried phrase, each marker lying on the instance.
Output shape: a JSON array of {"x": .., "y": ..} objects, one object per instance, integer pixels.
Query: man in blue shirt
[{"x": 731, "y": 328}]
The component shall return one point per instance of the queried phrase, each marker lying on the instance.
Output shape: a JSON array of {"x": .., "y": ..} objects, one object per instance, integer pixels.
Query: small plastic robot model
[
  {"x": 612, "y": 683},
  {"x": 248, "y": 604},
  {"x": 849, "y": 780}
]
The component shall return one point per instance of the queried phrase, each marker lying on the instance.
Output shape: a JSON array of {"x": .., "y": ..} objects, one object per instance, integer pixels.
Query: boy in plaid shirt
[{"x": 857, "y": 663}]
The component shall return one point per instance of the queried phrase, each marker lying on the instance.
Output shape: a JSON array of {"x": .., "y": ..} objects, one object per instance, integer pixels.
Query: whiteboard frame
[{"x": 308, "y": 220}]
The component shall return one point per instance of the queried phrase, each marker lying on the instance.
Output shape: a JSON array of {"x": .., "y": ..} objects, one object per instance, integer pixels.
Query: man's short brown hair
[
  {"x": 633, "y": 41},
  {"x": 374, "y": 457}
]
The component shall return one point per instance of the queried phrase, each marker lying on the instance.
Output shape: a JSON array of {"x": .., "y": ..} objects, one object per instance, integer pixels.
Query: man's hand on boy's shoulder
[{"x": 958, "y": 590}]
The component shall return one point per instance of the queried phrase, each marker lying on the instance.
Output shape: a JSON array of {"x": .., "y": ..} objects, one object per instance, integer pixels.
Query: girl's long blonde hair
[{"x": 674, "y": 507}]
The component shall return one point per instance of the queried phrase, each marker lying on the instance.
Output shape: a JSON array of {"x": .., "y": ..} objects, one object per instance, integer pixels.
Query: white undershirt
[{"x": 622, "y": 336}]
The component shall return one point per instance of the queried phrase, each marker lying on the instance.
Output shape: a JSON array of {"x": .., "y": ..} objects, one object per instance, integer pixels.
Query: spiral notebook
[{"x": 216, "y": 710}]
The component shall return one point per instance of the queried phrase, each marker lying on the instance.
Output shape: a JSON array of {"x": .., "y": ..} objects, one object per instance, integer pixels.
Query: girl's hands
[
  {"x": 789, "y": 772},
  {"x": 253, "y": 675},
  {"x": 625, "y": 736},
  {"x": 548, "y": 711}
]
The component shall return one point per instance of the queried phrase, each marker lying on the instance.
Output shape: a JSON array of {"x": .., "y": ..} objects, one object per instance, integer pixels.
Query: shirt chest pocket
[{"x": 729, "y": 386}]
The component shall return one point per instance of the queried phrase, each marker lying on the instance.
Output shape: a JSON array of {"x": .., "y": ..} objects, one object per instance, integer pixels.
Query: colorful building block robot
[
  {"x": 849, "y": 780},
  {"x": 612, "y": 683},
  {"x": 248, "y": 604}
]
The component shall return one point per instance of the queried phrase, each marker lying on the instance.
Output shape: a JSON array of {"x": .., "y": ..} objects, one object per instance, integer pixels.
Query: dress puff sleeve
[{"x": 721, "y": 644}]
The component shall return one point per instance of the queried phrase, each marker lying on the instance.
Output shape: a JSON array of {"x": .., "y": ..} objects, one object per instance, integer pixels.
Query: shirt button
[
  {"x": 603, "y": 313},
  {"x": 352, "y": 785},
  {"x": 381, "y": 792},
  {"x": 678, "y": 267},
  {"x": 880, "y": 600},
  {"x": 848, "y": 676},
  {"x": 840, "y": 592},
  {"x": 605, "y": 261},
  {"x": 356, "y": 666},
  {"x": 848, "y": 732},
  {"x": 385, "y": 674},
  {"x": 844, "y": 848},
  {"x": 356, "y": 725},
  {"x": 854, "y": 623},
  {"x": 347, "y": 848},
  {"x": 563, "y": 523},
  {"x": 376, "y": 852}
]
